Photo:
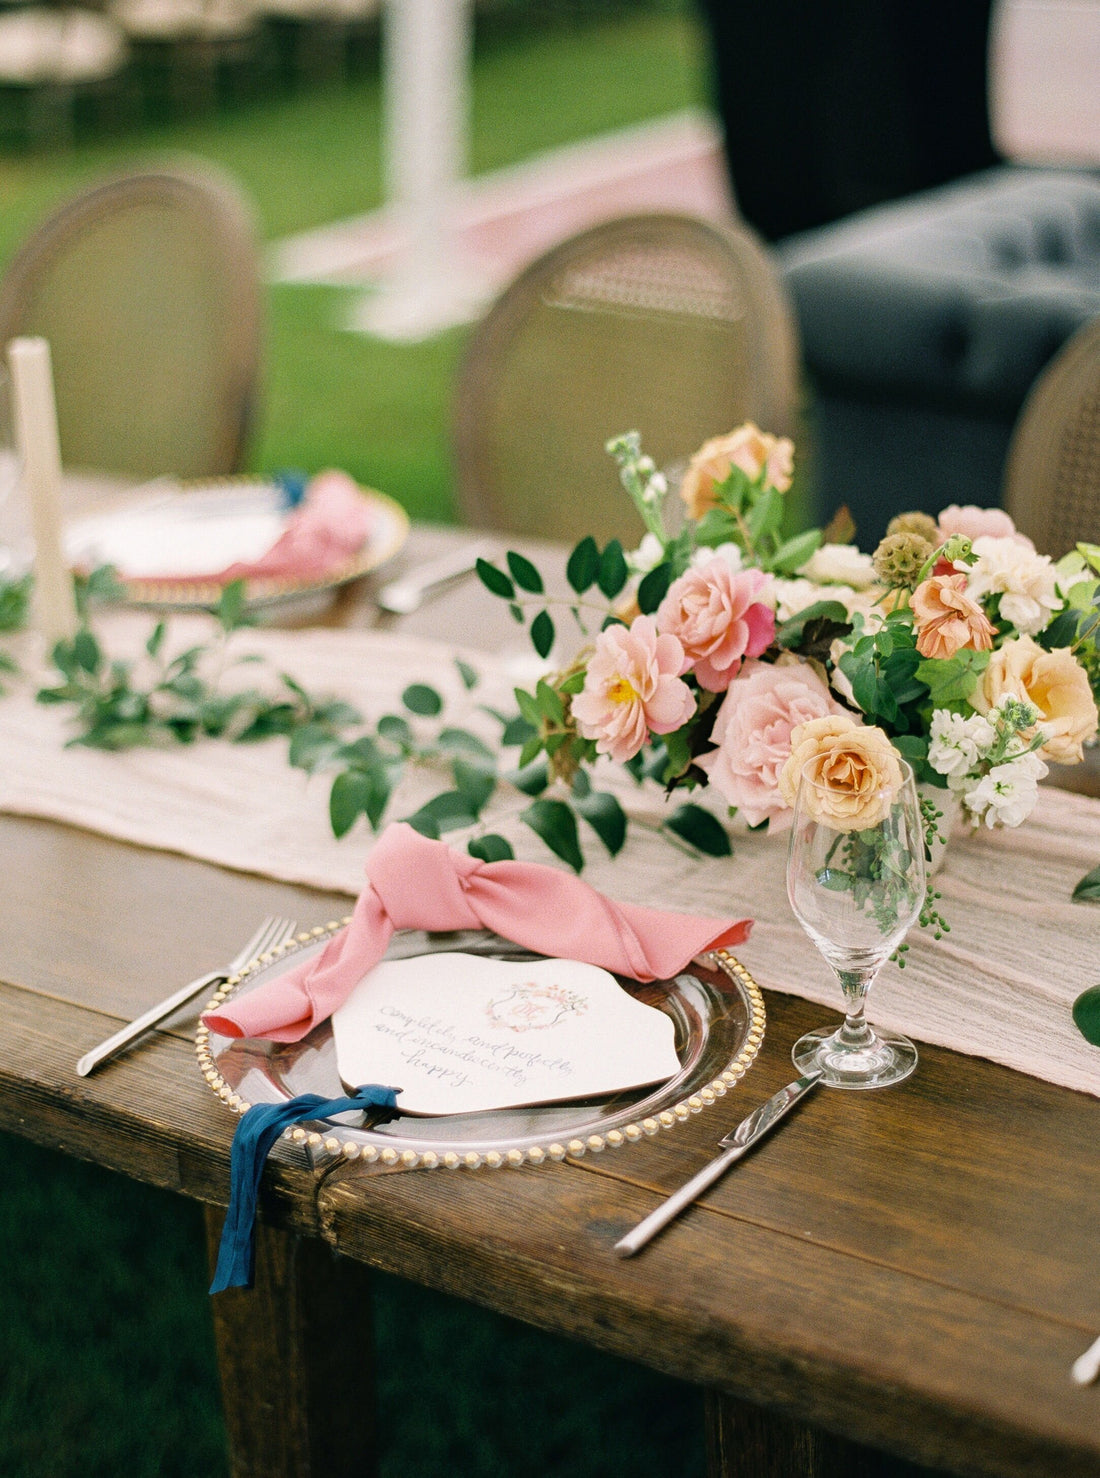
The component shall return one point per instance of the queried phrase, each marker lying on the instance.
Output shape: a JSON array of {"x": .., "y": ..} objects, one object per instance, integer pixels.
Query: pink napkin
[
  {"x": 416, "y": 883},
  {"x": 328, "y": 528},
  {"x": 330, "y": 525}
]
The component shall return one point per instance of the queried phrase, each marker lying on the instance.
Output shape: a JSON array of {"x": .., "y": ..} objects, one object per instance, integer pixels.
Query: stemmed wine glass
[{"x": 856, "y": 882}]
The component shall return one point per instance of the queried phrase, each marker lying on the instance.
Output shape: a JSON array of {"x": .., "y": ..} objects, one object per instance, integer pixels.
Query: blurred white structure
[
  {"x": 504, "y": 219},
  {"x": 425, "y": 70},
  {"x": 1044, "y": 81}
]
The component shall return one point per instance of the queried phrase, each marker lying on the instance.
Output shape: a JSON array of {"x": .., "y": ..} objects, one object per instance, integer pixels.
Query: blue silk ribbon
[{"x": 257, "y": 1131}]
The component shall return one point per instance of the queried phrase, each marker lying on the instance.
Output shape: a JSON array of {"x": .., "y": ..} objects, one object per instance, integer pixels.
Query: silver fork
[{"x": 271, "y": 933}]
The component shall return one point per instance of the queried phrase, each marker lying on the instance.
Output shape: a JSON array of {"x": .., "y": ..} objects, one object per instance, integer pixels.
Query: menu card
[{"x": 459, "y": 1034}]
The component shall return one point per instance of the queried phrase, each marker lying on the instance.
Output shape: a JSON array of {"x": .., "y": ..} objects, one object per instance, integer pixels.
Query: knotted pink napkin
[
  {"x": 416, "y": 883},
  {"x": 329, "y": 527}
]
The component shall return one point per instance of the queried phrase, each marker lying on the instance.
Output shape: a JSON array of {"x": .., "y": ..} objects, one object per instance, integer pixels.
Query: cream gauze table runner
[{"x": 1000, "y": 986}]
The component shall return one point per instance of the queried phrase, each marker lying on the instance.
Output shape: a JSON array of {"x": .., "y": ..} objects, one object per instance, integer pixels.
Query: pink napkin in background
[
  {"x": 416, "y": 883},
  {"x": 329, "y": 526}
]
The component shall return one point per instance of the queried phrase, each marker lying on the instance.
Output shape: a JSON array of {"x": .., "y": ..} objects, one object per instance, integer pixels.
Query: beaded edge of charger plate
[{"x": 389, "y": 1157}]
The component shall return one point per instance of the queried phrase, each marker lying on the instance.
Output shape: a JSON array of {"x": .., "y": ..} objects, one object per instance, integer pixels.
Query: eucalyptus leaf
[
  {"x": 654, "y": 588},
  {"x": 494, "y": 580},
  {"x": 613, "y": 573},
  {"x": 523, "y": 572},
  {"x": 549, "y": 703},
  {"x": 1088, "y": 889},
  {"x": 605, "y": 816},
  {"x": 396, "y": 729},
  {"x": 462, "y": 741},
  {"x": 348, "y": 800},
  {"x": 474, "y": 782},
  {"x": 490, "y": 848},
  {"x": 311, "y": 746},
  {"x": 584, "y": 565},
  {"x": 448, "y": 811},
  {"x": 700, "y": 830},
  {"x": 1086, "y": 1014},
  {"x": 531, "y": 779},
  {"x": 556, "y": 825},
  {"x": 542, "y": 633},
  {"x": 419, "y": 698},
  {"x": 517, "y": 731},
  {"x": 467, "y": 673}
]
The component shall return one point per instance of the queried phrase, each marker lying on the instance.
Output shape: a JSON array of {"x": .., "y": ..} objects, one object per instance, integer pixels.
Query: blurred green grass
[
  {"x": 107, "y": 1365},
  {"x": 335, "y": 398}
]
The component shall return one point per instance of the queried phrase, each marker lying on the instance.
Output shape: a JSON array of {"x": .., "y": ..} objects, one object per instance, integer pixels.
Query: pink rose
[
  {"x": 719, "y": 618},
  {"x": 762, "y": 706},
  {"x": 632, "y": 689},
  {"x": 974, "y": 522}
]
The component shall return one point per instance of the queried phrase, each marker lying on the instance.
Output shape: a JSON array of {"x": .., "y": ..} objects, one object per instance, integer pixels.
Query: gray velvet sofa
[{"x": 924, "y": 324}]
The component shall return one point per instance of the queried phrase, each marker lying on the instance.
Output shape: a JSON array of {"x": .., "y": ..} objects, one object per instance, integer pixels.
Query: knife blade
[{"x": 748, "y": 1133}]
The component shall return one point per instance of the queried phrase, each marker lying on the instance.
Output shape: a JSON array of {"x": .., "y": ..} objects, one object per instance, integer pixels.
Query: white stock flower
[
  {"x": 1006, "y": 795},
  {"x": 731, "y": 553},
  {"x": 840, "y": 564},
  {"x": 647, "y": 556},
  {"x": 957, "y": 744},
  {"x": 1026, "y": 582},
  {"x": 795, "y": 595}
]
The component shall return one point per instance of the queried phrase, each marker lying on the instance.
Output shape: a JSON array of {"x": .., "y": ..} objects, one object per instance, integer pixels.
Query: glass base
[{"x": 885, "y": 1058}]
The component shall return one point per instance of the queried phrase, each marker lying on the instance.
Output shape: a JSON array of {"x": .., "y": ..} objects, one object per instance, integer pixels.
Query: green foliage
[
  {"x": 700, "y": 830},
  {"x": 1086, "y": 1014},
  {"x": 1088, "y": 889}
]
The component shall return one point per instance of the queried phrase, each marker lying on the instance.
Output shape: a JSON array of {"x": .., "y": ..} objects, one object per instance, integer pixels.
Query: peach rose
[
  {"x": 854, "y": 769},
  {"x": 719, "y": 617},
  {"x": 974, "y": 523},
  {"x": 1058, "y": 686},
  {"x": 761, "y": 709},
  {"x": 947, "y": 619},
  {"x": 749, "y": 448},
  {"x": 632, "y": 688}
]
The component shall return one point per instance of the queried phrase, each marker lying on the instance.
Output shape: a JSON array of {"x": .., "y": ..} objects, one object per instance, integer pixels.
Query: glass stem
[{"x": 855, "y": 984}]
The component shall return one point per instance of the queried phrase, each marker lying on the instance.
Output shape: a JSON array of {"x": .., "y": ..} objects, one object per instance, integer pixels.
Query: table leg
[
  {"x": 296, "y": 1359},
  {"x": 745, "y": 1441}
]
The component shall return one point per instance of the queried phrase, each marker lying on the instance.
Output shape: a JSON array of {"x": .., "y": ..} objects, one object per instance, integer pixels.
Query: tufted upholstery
[{"x": 924, "y": 325}]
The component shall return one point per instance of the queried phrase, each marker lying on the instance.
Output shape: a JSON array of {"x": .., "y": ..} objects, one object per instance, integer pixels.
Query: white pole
[
  {"x": 35, "y": 414},
  {"x": 426, "y": 57}
]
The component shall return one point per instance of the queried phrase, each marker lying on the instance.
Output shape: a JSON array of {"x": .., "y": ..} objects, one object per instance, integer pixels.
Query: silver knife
[{"x": 747, "y": 1133}]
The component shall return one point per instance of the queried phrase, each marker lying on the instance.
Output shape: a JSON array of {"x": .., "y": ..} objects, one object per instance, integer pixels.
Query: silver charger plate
[{"x": 716, "y": 1008}]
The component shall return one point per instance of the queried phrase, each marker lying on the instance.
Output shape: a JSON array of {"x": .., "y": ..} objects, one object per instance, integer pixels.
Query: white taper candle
[{"x": 35, "y": 411}]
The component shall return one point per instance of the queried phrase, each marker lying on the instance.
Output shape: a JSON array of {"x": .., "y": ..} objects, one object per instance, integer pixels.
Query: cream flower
[
  {"x": 1057, "y": 685},
  {"x": 840, "y": 564},
  {"x": 948, "y": 618},
  {"x": 719, "y": 616},
  {"x": 761, "y": 709},
  {"x": 632, "y": 688},
  {"x": 749, "y": 448},
  {"x": 852, "y": 773},
  {"x": 1025, "y": 581}
]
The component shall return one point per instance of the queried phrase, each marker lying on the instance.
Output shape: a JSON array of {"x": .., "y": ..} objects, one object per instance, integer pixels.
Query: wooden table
[{"x": 911, "y": 1271}]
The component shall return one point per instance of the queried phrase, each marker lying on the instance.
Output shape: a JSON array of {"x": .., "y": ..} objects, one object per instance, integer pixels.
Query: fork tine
[{"x": 272, "y": 932}]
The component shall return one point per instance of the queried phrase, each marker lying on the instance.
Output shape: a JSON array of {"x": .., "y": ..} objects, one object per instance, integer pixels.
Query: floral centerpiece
[{"x": 721, "y": 653}]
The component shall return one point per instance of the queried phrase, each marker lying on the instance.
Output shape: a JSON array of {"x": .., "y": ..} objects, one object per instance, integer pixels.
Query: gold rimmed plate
[
  {"x": 717, "y": 1012},
  {"x": 214, "y": 524}
]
